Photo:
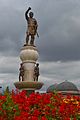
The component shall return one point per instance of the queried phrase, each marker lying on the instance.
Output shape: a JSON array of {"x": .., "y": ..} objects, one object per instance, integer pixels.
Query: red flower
[
  {"x": 39, "y": 106},
  {"x": 43, "y": 118}
]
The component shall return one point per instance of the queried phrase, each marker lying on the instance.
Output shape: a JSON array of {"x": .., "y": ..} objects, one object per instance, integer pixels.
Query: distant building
[
  {"x": 0, "y": 90},
  {"x": 51, "y": 88},
  {"x": 65, "y": 87}
]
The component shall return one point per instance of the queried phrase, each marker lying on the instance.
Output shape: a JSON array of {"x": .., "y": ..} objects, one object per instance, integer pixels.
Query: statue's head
[
  {"x": 31, "y": 14},
  {"x": 37, "y": 64}
]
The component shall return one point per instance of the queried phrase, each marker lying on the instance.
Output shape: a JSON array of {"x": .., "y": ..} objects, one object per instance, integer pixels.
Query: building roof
[
  {"x": 66, "y": 86},
  {"x": 51, "y": 88}
]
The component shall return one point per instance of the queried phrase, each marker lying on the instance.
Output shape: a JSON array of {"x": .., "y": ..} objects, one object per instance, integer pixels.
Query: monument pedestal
[
  {"x": 29, "y": 55},
  {"x": 30, "y": 85}
]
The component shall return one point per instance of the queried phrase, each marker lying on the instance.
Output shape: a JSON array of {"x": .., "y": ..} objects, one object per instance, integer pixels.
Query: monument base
[{"x": 29, "y": 86}]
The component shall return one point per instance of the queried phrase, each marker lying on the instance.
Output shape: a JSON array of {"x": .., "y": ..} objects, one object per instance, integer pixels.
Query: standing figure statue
[
  {"x": 21, "y": 74},
  {"x": 36, "y": 72},
  {"x": 32, "y": 27}
]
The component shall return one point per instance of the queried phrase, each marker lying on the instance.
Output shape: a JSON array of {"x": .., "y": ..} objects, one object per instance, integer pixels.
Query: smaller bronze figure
[
  {"x": 36, "y": 72},
  {"x": 32, "y": 27},
  {"x": 21, "y": 74}
]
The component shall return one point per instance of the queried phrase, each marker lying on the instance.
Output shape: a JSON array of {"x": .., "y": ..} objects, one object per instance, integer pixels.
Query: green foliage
[
  {"x": 9, "y": 108},
  {"x": 7, "y": 91}
]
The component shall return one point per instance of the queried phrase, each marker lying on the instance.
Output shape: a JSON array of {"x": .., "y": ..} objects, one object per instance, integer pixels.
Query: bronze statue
[
  {"x": 32, "y": 27},
  {"x": 21, "y": 74},
  {"x": 36, "y": 72}
]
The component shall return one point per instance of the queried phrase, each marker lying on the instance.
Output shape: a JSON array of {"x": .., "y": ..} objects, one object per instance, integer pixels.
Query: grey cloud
[
  {"x": 9, "y": 65},
  {"x": 12, "y": 30},
  {"x": 60, "y": 33}
]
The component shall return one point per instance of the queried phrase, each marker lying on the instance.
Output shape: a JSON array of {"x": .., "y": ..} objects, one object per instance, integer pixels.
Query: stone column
[{"x": 29, "y": 55}]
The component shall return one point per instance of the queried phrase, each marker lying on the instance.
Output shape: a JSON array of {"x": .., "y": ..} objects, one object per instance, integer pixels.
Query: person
[
  {"x": 21, "y": 74},
  {"x": 36, "y": 72},
  {"x": 32, "y": 27}
]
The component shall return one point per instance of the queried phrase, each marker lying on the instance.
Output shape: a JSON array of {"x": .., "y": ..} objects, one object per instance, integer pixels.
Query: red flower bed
[{"x": 53, "y": 106}]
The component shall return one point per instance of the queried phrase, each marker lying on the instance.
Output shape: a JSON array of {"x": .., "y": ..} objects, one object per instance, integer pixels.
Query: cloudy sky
[{"x": 58, "y": 44}]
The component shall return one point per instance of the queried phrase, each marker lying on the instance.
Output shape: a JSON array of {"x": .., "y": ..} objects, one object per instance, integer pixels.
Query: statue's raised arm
[
  {"x": 26, "y": 13},
  {"x": 31, "y": 27}
]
